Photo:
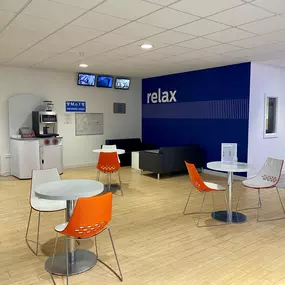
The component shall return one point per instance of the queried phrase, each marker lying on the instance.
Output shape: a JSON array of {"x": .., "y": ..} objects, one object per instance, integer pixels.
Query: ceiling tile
[
  {"x": 129, "y": 50},
  {"x": 170, "y": 37},
  {"x": 138, "y": 30},
  {"x": 161, "y": 2},
  {"x": 241, "y": 15},
  {"x": 37, "y": 24},
  {"x": 99, "y": 21},
  {"x": 256, "y": 41},
  {"x": 31, "y": 57},
  {"x": 167, "y": 18},
  {"x": 7, "y": 51},
  {"x": 266, "y": 25},
  {"x": 173, "y": 50},
  {"x": 205, "y": 8},
  {"x": 201, "y": 27},
  {"x": 84, "y": 4},
  {"x": 5, "y": 17},
  {"x": 221, "y": 48},
  {"x": 153, "y": 55},
  {"x": 275, "y": 6},
  {"x": 20, "y": 38},
  {"x": 115, "y": 39},
  {"x": 198, "y": 43},
  {"x": 49, "y": 44},
  {"x": 12, "y": 5},
  {"x": 53, "y": 11},
  {"x": 73, "y": 35},
  {"x": 229, "y": 35},
  {"x": 127, "y": 9},
  {"x": 92, "y": 48}
]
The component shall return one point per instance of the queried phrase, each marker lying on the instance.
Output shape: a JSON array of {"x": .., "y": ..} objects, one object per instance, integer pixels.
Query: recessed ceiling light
[
  {"x": 83, "y": 65},
  {"x": 146, "y": 46}
]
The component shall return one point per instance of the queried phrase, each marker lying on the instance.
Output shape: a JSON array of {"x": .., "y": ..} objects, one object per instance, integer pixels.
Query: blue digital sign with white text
[{"x": 75, "y": 106}]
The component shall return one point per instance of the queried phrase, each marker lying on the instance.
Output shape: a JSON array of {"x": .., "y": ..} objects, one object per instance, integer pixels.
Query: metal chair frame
[
  {"x": 197, "y": 222},
  {"x": 120, "y": 275},
  {"x": 258, "y": 208}
]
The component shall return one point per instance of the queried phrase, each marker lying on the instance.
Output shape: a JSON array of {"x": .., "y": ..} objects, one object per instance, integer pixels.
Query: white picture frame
[{"x": 229, "y": 152}]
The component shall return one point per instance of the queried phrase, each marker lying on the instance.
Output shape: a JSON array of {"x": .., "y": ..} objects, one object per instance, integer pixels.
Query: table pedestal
[
  {"x": 229, "y": 216},
  {"x": 79, "y": 260},
  {"x": 83, "y": 261},
  {"x": 113, "y": 187},
  {"x": 222, "y": 216}
]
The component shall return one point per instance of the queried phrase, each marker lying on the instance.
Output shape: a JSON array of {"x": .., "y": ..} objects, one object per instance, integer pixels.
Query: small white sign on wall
[{"x": 229, "y": 152}]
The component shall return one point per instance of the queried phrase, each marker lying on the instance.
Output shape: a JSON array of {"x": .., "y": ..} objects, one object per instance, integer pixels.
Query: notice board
[{"x": 88, "y": 124}]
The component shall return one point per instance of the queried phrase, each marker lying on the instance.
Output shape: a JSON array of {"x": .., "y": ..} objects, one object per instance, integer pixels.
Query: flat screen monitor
[
  {"x": 122, "y": 83},
  {"x": 104, "y": 81},
  {"x": 86, "y": 79}
]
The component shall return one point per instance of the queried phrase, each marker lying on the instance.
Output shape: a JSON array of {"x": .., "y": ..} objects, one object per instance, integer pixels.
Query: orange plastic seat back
[
  {"x": 90, "y": 216},
  {"x": 108, "y": 162},
  {"x": 196, "y": 179}
]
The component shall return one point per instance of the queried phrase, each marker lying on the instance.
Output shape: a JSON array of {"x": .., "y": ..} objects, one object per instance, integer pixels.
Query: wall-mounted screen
[
  {"x": 104, "y": 81},
  {"x": 122, "y": 83},
  {"x": 86, "y": 79}
]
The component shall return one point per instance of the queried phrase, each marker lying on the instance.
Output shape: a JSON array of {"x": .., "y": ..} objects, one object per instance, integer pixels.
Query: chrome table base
[
  {"x": 222, "y": 216},
  {"x": 83, "y": 261}
]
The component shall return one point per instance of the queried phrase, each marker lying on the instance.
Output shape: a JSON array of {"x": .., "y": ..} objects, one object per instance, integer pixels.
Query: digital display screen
[
  {"x": 122, "y": 83},
  {"x": 86, "y": 79},
  {"x": 104, "y": 81}
]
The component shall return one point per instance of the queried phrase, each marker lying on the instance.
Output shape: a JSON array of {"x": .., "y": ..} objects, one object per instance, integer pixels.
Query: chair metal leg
[
  {"x": 158, "y": 176},
  {"x": 96, "y": 247},
  {"x": 120, "y": 181},
  {"x": 273, "y": 219},
  {"x": 184, "y": 212},
  {"x": 259, "y": 206},
  {"x": 98, "y": 175},
  {"x": 280, "y": 200},
  {"x": 109, "y": 180},
  {"x": 201, "y": 210},
  {"x": 115, "y": 253},
  {"x": 38, "y": 233},
  {"x": 214, "y": 208}
]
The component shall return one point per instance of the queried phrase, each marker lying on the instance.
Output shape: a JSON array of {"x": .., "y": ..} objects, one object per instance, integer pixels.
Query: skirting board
[{"x": 222, "y": 174}]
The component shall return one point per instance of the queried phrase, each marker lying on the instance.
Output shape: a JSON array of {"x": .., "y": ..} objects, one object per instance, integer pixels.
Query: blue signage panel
[{"x": 75, "y": 106}]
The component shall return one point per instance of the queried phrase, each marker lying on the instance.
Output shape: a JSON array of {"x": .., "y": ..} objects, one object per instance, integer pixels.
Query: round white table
[
  {"x": 70, "y": 190},
  {"x": 229, "y": 216},
  {"x": 118, "y": 150}
]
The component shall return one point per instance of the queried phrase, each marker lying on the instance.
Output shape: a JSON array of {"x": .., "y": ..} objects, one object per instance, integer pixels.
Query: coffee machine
[{"x": 45, "y": 122}]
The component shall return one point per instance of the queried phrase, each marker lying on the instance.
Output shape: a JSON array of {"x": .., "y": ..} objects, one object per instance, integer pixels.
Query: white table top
[
  {"x": 118, "y": 150},
  {"x": 69, "y": 189},
  {"x": 229, "y": 167}
]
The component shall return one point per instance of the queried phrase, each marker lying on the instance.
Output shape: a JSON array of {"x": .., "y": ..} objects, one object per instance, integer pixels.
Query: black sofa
[
  {"x": 171, "y": 159},
  {"x": 129, "y": 145}
]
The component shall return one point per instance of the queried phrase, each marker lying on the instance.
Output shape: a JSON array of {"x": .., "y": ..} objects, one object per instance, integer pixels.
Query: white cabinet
[
  {"x": 25, "y": 157},
  {"x": 37, "y": 153}
]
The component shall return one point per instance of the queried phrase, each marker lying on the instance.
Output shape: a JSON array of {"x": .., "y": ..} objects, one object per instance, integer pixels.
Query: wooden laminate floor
[{"x": 156, "y": 244}]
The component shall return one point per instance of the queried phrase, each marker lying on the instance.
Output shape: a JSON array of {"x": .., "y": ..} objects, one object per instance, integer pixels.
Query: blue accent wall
[{"x": 212, "y": 107}]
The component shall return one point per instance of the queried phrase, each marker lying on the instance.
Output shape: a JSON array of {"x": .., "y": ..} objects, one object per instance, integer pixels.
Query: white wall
[
  {"x": 60, "y": 87},
  {"x": 270, "y": 80}
]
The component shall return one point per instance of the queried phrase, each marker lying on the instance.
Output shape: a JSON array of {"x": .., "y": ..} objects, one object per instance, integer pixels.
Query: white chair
[
  {"x": 267, "y": 178},
  {"x": 41, "y": 205},
  {"x": 110, "y": 147}
]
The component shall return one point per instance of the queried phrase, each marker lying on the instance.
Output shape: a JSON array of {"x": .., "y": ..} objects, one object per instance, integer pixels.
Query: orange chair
[
  {"x": 90, "y": 217},
  {"x": 109, "y": 163},
  {"x": 203, "y": 187}
]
